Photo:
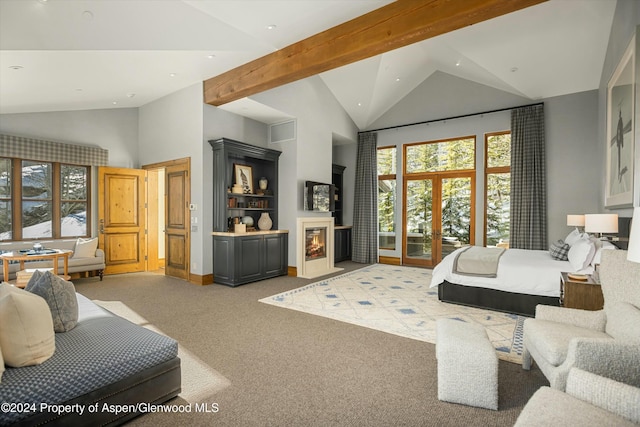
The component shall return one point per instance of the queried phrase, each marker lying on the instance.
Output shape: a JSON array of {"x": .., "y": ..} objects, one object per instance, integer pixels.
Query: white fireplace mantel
[{"x": 312, "y": 268}]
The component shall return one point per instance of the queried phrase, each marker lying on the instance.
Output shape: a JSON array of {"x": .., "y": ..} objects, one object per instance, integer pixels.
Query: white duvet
[{"x": 520, "y": 271}]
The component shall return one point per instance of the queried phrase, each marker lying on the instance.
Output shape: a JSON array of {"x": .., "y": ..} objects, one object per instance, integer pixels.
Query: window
[
  {"x": 386, "y": 197},
  {"x": 498, "y": 188},
  {"x": 43, "y": 199}
]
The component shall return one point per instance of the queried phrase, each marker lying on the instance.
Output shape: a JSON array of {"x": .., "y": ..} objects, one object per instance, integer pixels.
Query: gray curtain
[
  {"x": 528, "y": 179},
  {"x": 365, "y": 211}
]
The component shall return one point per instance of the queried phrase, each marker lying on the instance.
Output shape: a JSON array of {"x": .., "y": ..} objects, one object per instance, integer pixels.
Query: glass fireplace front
[{"x": 315, "y": 243}]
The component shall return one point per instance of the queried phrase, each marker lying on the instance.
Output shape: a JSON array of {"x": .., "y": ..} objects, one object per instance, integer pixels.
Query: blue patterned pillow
[
  {"x": 60, "y": 295},
  {"x": 559, "y": 250}
]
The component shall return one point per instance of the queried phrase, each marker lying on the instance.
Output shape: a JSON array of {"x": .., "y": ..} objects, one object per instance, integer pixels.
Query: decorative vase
[
  {"x": 265, "y": 223},
  {"x": 247, "y": 220},
  {"x": 263, "y": 183}
]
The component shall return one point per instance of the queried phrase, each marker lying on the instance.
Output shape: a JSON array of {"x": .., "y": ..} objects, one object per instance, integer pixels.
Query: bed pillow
[
  {"x": 60, "y": 295},
  {"x": 581, "y": 254},
  {"x": 559, "y": 250},
  {"x": 85, "y": 248},
  {"x": 600, "y": 246},
  {"x": 573, "y": 237},
  {"x": 26, "y": 328}
]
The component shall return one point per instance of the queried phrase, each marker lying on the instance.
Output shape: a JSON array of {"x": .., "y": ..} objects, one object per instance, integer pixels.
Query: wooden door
[
  {"x": 177, "y": 220},
  {"x": 121, "y": 219}
]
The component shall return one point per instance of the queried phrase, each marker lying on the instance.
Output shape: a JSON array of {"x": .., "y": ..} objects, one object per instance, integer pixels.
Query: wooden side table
[{"x": 582, "y": 294}]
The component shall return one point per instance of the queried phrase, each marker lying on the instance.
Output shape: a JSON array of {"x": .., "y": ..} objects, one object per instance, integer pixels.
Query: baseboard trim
[
  {"x": 389, "y": 260},
  {"x": 197, "y": 279},
  {"x": 292, "y": 271}
]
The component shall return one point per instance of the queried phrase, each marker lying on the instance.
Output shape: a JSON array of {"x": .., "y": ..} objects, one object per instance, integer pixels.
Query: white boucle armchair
[{"x": 604, "y": 342}]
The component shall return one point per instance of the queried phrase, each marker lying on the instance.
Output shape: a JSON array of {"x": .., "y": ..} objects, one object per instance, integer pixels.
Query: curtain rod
[{"x": 451, "y": 118}]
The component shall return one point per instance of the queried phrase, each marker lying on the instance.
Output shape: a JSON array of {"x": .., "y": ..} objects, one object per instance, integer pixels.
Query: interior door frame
[{"x": 185, "y": 162}]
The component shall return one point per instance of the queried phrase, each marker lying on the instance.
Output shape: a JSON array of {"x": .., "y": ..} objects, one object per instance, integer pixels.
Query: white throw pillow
[
  {"x": 573, "y": 237},
  {"x": 600, "y": 246},
  {"x": 85, "y": 248},
  {"x": 26, "y": 328},
  {"x": 581, "y": 253}
]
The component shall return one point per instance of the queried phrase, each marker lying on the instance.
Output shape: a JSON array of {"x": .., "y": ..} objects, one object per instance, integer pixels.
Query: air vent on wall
[{"x": 283, "y": 131}]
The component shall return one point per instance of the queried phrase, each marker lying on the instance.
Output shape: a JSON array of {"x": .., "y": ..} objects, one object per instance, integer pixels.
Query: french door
[{"x": 438, "y": 216}]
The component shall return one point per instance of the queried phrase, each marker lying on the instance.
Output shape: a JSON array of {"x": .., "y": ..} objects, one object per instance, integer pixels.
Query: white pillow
[
  {"x": 600, "y": 246},
  {"x": 573, "y": 237},
  {"x": 85, "y": 248},
  {"x": 26, "y": 327},
  {"x": 581, "y": 253}
]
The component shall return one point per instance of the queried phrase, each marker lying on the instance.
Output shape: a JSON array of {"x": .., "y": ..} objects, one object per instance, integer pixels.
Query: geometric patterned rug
[{"x": 398, "y": 300}]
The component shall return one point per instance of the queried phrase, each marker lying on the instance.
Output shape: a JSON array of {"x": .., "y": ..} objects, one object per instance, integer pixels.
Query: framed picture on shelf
[
  {"x": 620, "y": 132},
  {"x": 244, "y": 177}
]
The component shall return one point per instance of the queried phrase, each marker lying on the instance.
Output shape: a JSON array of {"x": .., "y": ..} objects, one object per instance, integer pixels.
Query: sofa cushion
[
  {"x": 26, "y": 328},
  {"x": 552, "y": 339},
  {"x": 85, "y": 248},
  {"x": 623, "y": 320},
  {"x": 60, "y": 295}
]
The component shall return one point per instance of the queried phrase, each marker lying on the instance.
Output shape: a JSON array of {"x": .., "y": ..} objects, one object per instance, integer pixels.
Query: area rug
[
  {"x": 199, "y": 380},
  {"x": 398, "y": 300}
]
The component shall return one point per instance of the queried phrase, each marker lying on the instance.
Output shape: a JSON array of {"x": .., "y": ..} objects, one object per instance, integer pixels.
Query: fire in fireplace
[{"x": 315, "y": 239}]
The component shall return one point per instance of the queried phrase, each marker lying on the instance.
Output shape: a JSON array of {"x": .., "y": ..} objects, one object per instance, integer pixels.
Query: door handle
[{"x": 101, "y": 227}]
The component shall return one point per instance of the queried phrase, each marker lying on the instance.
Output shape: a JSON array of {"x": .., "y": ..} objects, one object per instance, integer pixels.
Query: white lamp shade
[
  {"x": 633, "y": 251},
  {"x": 575, "y": 220},
  {"x": 601, "y": 223}
]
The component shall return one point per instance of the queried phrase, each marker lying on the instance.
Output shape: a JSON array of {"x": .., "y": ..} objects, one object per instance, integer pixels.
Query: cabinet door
[
  {"x": 223, "y": 265},
  {"x": 249, "y": 255},
  {"x": 275, "y": 254}
]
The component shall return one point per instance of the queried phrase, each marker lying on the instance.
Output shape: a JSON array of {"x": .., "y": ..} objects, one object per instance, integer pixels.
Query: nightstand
[{"x": 582, "y": 294}]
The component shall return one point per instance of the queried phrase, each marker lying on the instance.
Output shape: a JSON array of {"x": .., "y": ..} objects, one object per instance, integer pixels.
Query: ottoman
[{"x": 467, "y": 364}]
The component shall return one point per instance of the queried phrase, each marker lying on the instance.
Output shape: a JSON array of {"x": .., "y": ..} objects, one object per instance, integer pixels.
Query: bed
[{"x": 524, "y": 279}]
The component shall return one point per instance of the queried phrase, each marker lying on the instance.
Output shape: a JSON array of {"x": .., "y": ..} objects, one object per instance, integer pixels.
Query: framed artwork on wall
[
  {"x": 620, "y": 132},
  {"x": 244, "y": 177}
]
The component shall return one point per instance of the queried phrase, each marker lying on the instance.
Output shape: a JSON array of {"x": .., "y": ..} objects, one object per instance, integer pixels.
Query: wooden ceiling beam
[{"x": 398, "y": 24}]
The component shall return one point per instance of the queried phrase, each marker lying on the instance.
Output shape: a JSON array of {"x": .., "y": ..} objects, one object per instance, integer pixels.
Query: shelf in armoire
[{"x": 251, "y": 209}]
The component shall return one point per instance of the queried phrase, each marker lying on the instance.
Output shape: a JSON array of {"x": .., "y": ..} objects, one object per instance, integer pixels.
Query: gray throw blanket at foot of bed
[{"x": 478, "y": 261}]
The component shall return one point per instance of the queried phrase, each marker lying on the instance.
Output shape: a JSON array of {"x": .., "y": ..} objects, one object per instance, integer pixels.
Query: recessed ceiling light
[
  {"x": 211, "y": 56},
  {"x": 16, "y": 67},
  {"x": 131, "y": 95},
  {"x": 115, "y": 102},
  {"x": 172, "y": 74},
  {"x": 43, "y": 1},
  {"x": 88, "y": 15},
  {"x": 514, "y": 69},
  {"x": 397, "y": 79},
  {"x": 272, "y": 27},
  {"x": 79, "y": 89},
  {"x": 359, "y": 104},
  {"x": 458, "y": 64}
]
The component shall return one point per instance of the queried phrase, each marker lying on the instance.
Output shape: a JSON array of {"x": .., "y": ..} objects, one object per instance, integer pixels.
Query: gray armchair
[{"x": 604, "y": 342}]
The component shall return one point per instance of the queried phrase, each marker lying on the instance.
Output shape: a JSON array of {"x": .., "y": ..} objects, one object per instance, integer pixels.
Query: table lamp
[
  {"x": 575, "y": 221},
  {"x": 601, "y": 223}
]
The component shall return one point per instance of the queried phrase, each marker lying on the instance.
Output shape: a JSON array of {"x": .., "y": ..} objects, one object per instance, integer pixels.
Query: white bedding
[{"x": 520, "y": 271}]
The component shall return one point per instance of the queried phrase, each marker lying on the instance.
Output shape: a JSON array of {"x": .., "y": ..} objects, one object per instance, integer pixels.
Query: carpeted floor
[
  {"x": 288, "y": 368},
  {"x": 398, "y": 300}
]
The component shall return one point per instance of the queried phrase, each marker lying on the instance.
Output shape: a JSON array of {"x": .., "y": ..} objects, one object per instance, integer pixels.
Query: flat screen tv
[{"x": 319, "y": 197}]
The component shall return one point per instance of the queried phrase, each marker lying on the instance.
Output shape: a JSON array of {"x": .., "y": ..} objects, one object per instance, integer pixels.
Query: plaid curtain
[
  {"x": 49, "y": 151},
  {"x": 528, "y": 179},
  {"x": 365, "y": 211}
]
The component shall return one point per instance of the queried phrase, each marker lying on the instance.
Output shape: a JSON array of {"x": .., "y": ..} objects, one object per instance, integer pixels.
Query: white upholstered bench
[{"x": 467, "y": 364}]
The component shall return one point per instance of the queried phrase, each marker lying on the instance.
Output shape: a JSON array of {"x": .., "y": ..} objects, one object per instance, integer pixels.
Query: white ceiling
[{"x": 95, "y": 54}]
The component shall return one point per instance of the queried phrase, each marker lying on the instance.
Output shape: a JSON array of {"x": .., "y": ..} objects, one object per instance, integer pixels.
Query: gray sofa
[
  {"x": 104, "y": 360},
  {"x": 93, "y": 265}
]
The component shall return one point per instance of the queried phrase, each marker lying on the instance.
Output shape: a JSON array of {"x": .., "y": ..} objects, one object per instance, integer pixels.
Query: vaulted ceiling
[{"x": 59, "y": 55}]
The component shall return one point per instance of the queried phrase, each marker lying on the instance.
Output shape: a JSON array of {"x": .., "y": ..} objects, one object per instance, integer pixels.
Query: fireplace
[
  {"x": 315, "y": 243},
  {"x": 315, "y": 250}
]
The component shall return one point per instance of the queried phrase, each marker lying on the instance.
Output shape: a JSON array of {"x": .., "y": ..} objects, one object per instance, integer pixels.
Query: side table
[{"x": 582, "y": 294}]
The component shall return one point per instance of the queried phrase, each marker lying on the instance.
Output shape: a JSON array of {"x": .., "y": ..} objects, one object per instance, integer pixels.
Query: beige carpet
[
  {"x": 199, "y": 381},
  {"x": 398, "y": 300}
]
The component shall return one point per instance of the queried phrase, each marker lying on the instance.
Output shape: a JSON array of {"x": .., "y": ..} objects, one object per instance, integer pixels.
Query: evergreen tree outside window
[
  {"x": 5, "y": 199},
  {"x": 386, "y": 160},
  {"x": 498, "y": 188}
]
